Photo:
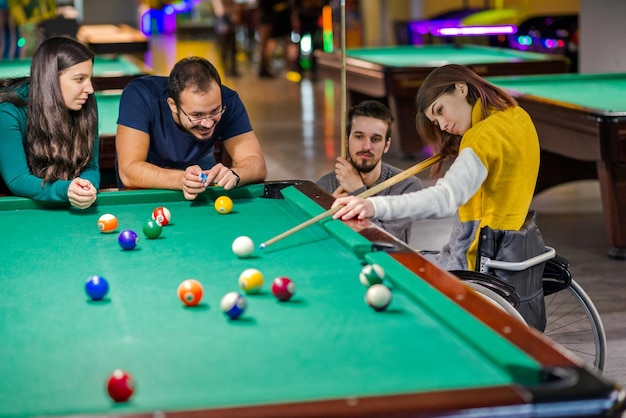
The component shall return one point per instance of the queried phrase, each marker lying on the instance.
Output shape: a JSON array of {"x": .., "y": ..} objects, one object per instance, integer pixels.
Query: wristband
[{"x": 236, "y": 176}]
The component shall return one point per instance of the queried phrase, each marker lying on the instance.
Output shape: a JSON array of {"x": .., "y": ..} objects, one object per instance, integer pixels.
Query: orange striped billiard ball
[
  {"x": 190, "y": 292},
  {"x": 107, "y": 223}
]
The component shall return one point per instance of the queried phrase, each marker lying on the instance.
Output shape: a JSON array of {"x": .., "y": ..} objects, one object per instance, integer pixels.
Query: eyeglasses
[{"x": 215, "y": 116}]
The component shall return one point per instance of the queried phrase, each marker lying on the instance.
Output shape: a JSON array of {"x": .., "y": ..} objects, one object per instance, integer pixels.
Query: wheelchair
[{"x": 563, "y": 311}]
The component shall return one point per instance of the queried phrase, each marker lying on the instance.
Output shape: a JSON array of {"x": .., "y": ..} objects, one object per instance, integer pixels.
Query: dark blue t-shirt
[{"x": 143, "y": 106}]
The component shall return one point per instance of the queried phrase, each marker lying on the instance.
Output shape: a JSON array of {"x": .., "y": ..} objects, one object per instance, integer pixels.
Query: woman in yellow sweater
[{"x": 496, "y": 161}]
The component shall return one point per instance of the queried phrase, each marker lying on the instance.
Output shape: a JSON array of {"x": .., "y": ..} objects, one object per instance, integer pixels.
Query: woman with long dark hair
[{"x": 49, "y": 127}]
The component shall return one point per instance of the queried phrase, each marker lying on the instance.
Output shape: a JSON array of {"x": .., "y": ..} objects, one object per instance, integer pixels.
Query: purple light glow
[{"x": 475, "y": 30}]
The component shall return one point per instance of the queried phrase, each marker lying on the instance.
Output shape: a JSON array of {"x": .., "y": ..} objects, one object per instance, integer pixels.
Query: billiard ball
[
  {"x": 162, "y": 215},
  {"x": 243, "y": 247},
  {"x": 233, "y": 305},
  {"x": 378, "y": 296},
  {"x": 283, "y": 288},
  {"x": 190, "y": 292},
  {"x": 152, "y": 229},
  {"x": 120, "y": 386},
  {"x": 96, "y": 287},
  {"x": 128, "y": 239},
  {"x": 371, "y": 274},
  {"x": 251, "y": 280},
  {"x": 223, "y": 205},
  {"x": 107, "y": 223}
]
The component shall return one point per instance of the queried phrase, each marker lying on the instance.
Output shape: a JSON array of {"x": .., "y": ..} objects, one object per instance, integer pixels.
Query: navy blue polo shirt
[{"x": 143, "y": 106}]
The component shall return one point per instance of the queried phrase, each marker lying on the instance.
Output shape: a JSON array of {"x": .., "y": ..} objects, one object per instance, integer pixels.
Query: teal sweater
[{"x": 14, "y": 168}]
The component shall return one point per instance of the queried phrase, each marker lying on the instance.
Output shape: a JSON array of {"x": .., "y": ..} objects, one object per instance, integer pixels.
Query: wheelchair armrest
[
  {"x": 490, "y": 282},
  {"x": 520, "y": 265}
]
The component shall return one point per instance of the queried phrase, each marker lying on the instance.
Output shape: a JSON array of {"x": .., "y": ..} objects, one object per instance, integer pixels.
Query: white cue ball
[
  {"x": 378, "y": 296},
  {"x": 243, "y": 247}
]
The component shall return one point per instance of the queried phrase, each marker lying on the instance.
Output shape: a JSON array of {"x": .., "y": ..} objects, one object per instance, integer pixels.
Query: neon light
[
  {"x": 327, "y": 29},
  {"x": 475, "y": 30}
]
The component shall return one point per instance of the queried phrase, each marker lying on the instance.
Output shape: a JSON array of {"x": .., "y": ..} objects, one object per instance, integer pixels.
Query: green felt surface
[
  {"x": 601, "y": 92},
  {"x": 108, "y": 111},
  {"x": 58, "y": 347},
  {"x": 104, "y": 66},
  {"x": 438, "y": 55}
]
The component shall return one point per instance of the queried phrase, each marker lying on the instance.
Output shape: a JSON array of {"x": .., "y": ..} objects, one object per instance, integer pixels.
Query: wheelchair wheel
[
  {"x": 496, "y": 299},
  {"x": 573, "y": 322}
]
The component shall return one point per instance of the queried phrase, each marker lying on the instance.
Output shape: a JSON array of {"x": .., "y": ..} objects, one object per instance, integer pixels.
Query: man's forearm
[{"x": 144, "y": 175}]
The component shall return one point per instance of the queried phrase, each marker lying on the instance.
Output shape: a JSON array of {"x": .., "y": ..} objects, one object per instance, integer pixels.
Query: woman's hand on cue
[{"x": 353, "y": 207}]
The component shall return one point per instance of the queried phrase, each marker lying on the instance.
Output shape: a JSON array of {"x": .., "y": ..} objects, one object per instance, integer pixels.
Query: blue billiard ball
[
  {"x": 96, "y": 287},
  {"x": 128, "y": 239},
  {"x": 233, "y": 304}
]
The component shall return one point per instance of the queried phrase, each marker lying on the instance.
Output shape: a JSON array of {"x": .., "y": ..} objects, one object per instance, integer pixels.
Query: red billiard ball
[
  {"x": 283, "y": 288},
  {"x": 162, "y": 215},
  {"x": 190, "y": 292},
  {"x": 120, "y": 386}
]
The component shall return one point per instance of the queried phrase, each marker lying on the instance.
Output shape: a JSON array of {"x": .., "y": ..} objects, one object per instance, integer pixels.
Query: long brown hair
[
  {"x": 59, "y": 141},
  {"x": 442, "y": 81}
]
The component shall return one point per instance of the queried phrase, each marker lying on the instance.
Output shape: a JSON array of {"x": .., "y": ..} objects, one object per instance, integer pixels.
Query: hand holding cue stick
[
  {"x": 342, "y": 129},
  {"x": 411, "y": 171}
]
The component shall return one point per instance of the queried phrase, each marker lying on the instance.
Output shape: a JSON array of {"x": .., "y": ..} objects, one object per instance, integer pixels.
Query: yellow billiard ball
[{"x": 223, "y": 205}]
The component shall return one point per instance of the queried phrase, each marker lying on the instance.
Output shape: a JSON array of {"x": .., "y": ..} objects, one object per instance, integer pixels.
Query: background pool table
[
  {"x": 113, "y": 39},
  {"x": 394, "y": 74},
  {"x": 109, "y": 71},
  {"x": 325, "y": 352},
  {"x": 581, "y": 121}
]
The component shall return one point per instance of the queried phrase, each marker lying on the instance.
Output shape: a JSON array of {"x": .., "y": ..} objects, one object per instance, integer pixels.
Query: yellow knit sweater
[{"x": 507, "y": 144}]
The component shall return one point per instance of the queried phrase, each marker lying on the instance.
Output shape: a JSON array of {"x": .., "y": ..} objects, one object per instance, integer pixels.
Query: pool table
[
  {"x": 113, "y": 39},
  {"x": 110, "y": 71},
  {"x": 581, "y": 121},
  {"x": 394, "y": 74},
  {"x": 438, "y": 349}
]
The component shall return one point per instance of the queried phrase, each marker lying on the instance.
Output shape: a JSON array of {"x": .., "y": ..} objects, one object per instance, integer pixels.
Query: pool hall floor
[{"x": 298, "y": 124}]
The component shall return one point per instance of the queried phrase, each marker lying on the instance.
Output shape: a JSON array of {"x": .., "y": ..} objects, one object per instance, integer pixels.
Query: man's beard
[{"x": 365, "y": 167}]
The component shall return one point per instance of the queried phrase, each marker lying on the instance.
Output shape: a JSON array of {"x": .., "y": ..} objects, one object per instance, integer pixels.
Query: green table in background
[
  {"x": 581, "y": 121},
  {"x": 109, "y": 71},
  {"x": 394, "y": 74}
]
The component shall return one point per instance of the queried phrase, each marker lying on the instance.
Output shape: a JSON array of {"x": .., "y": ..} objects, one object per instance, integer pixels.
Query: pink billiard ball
[
  {"x": 283, "y": 288},
  {"x": 120, "y": 386},
  {"x": 162, "y": 215}
]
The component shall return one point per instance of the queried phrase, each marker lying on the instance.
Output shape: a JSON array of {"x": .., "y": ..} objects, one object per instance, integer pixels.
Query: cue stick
[
  {"x": 411, "y": 171},
  {"x": 342, "y": 129}
]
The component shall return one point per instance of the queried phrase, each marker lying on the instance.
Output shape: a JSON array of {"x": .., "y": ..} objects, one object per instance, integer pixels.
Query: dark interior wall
[{"x": 97, "y": 12}]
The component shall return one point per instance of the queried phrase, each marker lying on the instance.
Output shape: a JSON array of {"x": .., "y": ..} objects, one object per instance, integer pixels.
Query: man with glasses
[{"x": 168, "y": 128}]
